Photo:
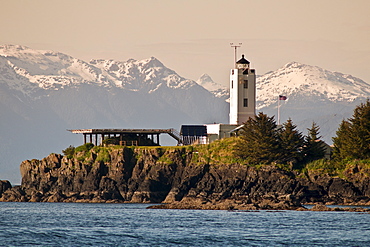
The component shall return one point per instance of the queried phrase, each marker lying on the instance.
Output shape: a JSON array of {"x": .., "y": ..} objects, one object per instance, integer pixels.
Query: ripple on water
[{"x": 73, "y": 224}]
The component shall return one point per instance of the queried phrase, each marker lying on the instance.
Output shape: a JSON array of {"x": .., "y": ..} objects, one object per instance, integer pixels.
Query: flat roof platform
[{"x": 121, "y": 133}]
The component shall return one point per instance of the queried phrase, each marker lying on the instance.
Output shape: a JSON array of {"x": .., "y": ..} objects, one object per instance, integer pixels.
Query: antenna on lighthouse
[{"x": 235, "y": 48}]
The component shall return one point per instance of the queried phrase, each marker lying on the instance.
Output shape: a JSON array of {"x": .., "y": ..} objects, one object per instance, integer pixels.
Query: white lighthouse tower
[{"x": 242, "y": 92}]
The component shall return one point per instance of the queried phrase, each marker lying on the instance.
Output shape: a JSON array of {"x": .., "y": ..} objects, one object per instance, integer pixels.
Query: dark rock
[
  {"x": 4, "y": 186},
  {"x": 108, "y": 189},
  {"x": 342, "y": 191},
  {"x": 15, "y": 194},
  {"x": 321, "y": 207}
]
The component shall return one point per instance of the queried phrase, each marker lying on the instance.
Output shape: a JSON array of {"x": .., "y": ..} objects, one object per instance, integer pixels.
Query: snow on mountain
[
  {"x": 28, "y": 70},
  {"x": 207, "y": 82},
  {"x": 299, "y": 80},
  {"x": 148, "y": 74},
  {"x": 218, "y": 90}
]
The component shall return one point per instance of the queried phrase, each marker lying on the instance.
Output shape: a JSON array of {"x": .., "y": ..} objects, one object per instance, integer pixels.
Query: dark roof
[
  {"x": 193, "y": 130},
  {"x": 120, "y": 131},
  {"x": 243, "y": 61}
]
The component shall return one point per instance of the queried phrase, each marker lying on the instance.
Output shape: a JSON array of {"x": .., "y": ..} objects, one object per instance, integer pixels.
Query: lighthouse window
[
  {"x": 245, "y": 102},
  {"x": 245, "y": 83},
  {"x": 232, "y": 83}
]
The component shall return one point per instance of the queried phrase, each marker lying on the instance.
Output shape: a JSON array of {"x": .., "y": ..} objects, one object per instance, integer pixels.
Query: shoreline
[{"x": 247, "y": 208}]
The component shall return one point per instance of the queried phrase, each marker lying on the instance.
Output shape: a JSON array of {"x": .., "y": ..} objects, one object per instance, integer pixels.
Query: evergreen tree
[
  {"x": 259, "y": 140},
  {"x": 314, "y": 148},
  {"x": 342, "y": 142},
  {"x": 353, "y": 136},
  {"x": 291, "y": 142}
]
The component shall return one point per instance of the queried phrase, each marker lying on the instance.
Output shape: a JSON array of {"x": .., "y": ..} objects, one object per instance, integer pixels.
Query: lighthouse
[{"x": 242, "y": 92}]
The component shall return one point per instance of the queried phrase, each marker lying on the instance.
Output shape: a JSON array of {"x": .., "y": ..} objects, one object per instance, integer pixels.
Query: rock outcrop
[
  {"x": 171, "y": 176},
  {"x": 4, "y": 186}
]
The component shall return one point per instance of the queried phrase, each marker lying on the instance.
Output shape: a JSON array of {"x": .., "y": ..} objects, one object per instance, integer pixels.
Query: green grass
[
  {"x": 84, "y": 148},
  {"x": 164, "y": 159},
  {"x": 217, "y": 153},
  {"x": 103, "y": 156},
  {"x": 324, "y": 166}
]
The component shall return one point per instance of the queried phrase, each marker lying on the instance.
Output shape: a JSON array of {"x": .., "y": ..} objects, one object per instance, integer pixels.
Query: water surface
[{"x": 80, "y": 224}]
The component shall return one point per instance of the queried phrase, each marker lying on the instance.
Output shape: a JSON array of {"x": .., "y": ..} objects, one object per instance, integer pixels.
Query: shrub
[
  {"x": 69, "y": 151},
  {"x": 86, "y": 147}
]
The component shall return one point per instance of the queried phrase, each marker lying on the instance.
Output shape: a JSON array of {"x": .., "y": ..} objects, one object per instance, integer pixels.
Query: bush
[
  {"x": 69, "y": 152},
  {"x": 86, "y": 147}
]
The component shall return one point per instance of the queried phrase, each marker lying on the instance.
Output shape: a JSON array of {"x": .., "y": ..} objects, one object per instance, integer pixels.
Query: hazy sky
[{"x": 193, "y": 37}]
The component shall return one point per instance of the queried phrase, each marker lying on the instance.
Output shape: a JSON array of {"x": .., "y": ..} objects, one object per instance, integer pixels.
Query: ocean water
[{"x": 79, "y": 224}]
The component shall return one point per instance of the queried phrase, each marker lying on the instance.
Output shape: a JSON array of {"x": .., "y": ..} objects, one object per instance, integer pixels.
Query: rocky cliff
[{"x": 181, "y": 178}]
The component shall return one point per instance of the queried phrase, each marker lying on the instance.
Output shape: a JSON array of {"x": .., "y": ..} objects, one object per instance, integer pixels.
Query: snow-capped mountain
[
  {"x": 27, "y": 70},
  {"x": 38, "y": 74},
  {"x": 218, "y": 90},
  {"x": 146, "y": 75},
  {"x": 298, "y": 80}
]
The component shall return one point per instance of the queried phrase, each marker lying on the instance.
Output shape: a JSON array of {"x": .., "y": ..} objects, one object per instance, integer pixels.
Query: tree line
[{"x": 262, "y": 141}]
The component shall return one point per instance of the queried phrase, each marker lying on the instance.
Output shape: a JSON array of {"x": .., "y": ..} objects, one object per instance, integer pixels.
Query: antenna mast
[{"x": 235, "y": 48}]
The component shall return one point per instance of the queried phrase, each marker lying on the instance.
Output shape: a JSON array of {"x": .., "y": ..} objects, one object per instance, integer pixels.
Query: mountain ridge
[
  {"x": 294, "y": 77},
  {"x": 54, "y": 70},
  {"x": 218, "y": 90}
]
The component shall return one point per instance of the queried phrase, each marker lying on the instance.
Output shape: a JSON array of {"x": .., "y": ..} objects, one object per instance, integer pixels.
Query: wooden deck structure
[{"x": 126, "y": 137}]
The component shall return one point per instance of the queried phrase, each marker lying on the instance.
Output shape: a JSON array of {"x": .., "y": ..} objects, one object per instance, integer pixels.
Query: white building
[
  {"x": 242, "y": 92},
  {"x": 219, "y": 131}
]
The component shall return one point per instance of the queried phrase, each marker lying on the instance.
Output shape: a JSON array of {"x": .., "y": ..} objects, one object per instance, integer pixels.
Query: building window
[
  {"x": 232, "y": 72},
  {"x": 245, "y": 83},
  {"x": 232, "y": 83},
  {"x": 245, "y": 102},
  {"x": 252, "y": 71}
]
